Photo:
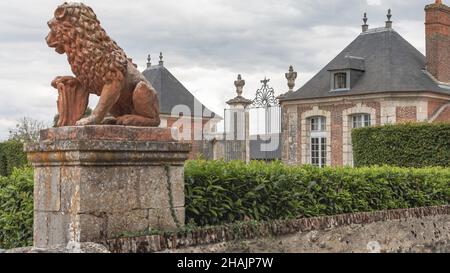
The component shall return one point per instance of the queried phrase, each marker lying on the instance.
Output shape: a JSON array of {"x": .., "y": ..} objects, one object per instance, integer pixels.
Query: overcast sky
[{"x": 206, "y": 43}]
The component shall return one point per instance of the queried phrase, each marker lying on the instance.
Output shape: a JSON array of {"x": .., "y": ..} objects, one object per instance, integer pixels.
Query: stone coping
[
  {"x": 438, "y": 6},
  {"x": 253, "y": 230},
  {"x": 107, "y": 145},
  {"x": 109, "y": 132}
]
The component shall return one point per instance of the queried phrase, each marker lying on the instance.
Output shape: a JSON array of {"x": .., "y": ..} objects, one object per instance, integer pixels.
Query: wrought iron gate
[{"x": 255, "y": 130}]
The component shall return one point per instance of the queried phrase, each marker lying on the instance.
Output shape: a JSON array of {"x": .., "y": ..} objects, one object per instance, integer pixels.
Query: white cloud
[{"x": 374, "y": 2}]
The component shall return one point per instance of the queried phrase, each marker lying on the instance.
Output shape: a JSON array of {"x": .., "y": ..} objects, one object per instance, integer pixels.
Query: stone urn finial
[
  {"x": 239, "y": 83},
  {"x": 291, "y": 76}
]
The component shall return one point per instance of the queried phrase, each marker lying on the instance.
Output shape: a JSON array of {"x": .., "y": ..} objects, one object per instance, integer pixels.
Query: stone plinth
[{"x": 98, "y": 182}]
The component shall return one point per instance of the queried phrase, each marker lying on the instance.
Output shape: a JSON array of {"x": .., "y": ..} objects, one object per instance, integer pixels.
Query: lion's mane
[{"x": 94, "y": 57}]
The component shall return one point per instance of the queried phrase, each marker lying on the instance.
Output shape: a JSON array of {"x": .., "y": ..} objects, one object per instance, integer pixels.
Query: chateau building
[
  {"x": 180, "y": 108},
  {"x": 380, "y": 78}
]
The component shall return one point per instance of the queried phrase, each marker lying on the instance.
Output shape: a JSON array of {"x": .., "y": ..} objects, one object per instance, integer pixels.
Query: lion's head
[{"x": 94, "y": 57}]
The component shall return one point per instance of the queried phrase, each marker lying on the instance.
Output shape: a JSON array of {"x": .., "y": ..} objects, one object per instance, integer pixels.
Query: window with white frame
[
  {"x": 318, "y": 141},
  {"x": 318, "y": 124},
  {"x": 340, "y": 81},
  {"x": 360, "y": 120}
]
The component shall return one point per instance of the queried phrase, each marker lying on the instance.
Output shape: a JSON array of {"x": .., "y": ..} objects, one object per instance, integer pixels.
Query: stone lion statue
[{"x": 100, "y": 67}]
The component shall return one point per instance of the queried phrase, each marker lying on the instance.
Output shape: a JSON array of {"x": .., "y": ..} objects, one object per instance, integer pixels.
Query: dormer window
[
  {"x": 340, "y": 81},
  {"x": 345, "y": 73}
]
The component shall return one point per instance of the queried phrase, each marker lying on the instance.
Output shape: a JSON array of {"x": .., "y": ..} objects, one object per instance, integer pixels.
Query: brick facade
[
  {"x": 406, "y": 114},
  {"x": 382, "y": 110},
  {"x": 443, "y": 116},
  {"x": 393, "y": 100},
  {"x": 434, "y": 105}
]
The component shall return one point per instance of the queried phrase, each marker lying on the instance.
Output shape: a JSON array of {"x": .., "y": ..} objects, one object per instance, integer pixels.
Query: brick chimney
[{"x": 437, "y": 31}]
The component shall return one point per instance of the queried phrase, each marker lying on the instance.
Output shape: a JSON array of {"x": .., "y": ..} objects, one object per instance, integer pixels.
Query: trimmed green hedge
[
  {"x": 11, "y": 156},
  {"x": 404, "y": 145},
  {"x": 16, "y": 209},
  {"x": 219, "y": 192}
]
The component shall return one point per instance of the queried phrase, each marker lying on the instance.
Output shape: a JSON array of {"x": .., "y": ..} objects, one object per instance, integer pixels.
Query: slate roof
[
  {"x": 171, "y": 92},
  {"x": 391, "y": 64}
]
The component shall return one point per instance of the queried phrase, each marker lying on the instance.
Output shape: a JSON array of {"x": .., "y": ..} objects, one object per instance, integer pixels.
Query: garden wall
[{"x": 408, "y": 230}]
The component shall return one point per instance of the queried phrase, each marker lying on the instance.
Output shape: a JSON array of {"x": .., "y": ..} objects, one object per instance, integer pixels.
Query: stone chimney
[{"x": 437, "y": 30}]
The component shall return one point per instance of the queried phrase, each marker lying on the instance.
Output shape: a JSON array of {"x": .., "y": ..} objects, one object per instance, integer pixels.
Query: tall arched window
[{"x": 318, "y": 134}]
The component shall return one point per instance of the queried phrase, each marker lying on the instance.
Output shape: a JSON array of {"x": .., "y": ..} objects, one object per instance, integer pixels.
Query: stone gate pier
[{"x": 98, "y": 182}]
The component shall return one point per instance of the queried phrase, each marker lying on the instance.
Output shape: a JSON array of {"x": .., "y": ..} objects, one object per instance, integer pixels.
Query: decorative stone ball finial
[
  {"x": 291, "y": 76},
  {"x": 239, "y": 83}
]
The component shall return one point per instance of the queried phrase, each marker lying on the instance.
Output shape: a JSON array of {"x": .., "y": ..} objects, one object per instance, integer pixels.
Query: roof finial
[
  {"x": 291, "y": 76},
  {"x": 161, "y": 62},
  {"x": 149, "y": 61},
  {"x": 239, "y": 83},
  {"x": 365, "y": 27},
  {"x": 389, "y": 22}
]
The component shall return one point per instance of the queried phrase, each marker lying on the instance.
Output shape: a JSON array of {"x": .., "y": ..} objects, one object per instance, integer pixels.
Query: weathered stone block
[
  {"x": 163, "y": 218},
  {"x": 153, "y": 192},
  {"x": 158, "y": 183},
  {"x": 47, "y": 189},
  {"x": 118, "y": 223},
  {"x": 96, "y": 182},
  {"x": 177, "y": 185},
  {"x": 50, "y": 228},
  {"x": 109, "y": 189}
]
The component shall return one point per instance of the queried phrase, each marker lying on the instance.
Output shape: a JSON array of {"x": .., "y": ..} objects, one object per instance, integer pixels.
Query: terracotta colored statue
[{"x": 100, "y": 67}]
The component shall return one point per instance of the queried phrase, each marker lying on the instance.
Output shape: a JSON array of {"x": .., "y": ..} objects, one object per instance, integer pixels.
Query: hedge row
[
  {"x": 11, "y": 156},
  {"x": 404, "y": 145},
  {"x": 16, "y": 209},
  {"x": 219, "y": 192}
]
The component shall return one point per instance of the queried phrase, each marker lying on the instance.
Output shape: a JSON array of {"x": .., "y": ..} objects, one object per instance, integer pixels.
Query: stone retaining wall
[{"x": 213, "y": 238}]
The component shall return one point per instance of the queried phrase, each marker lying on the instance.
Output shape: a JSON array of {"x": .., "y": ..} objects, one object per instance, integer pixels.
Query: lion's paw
[{"x": 86, "y": 121}]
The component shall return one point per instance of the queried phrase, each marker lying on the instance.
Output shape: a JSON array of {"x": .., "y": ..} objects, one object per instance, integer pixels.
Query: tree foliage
[{"x": 27, "y": 130}]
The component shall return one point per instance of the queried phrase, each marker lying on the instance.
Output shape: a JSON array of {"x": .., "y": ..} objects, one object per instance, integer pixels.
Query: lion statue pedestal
[{"x": 94, "y": 181}]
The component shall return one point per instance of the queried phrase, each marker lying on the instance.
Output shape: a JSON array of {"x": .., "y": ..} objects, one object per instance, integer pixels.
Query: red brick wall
[
  {"x": 438, "y": 41},
  {"x": 336, "y": 131},
  {"x": 444, "y": 116},
  {"x": 406, "y": 114},
  {"x": 377, "y": 106},
  {"x": 434, "y": 105}
]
